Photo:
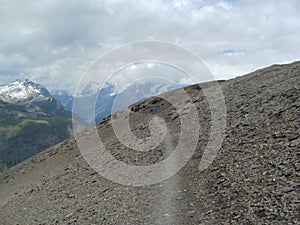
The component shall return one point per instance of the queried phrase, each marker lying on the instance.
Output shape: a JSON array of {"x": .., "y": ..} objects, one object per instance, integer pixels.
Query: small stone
[
  {"x": 288, "y": 189},
  {"x": 295, "y": 143},
  {"x": 69, "y": 215}
]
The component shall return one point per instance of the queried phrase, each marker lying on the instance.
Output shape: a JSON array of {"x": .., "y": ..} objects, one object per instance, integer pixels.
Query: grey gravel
[{"x": 254, "y": 179}]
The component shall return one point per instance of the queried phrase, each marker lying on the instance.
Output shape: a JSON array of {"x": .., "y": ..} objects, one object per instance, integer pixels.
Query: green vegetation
[
  {"x": 25, "y": 131},
  {"x": 3, "y": 166}
]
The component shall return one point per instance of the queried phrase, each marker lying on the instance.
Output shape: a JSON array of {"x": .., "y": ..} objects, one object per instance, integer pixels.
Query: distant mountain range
[
  {"x": 108, "y": 99},
  {"x": 31, "y": 120}
]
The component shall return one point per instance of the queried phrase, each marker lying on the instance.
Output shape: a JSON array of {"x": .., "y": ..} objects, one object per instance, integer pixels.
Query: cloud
[{"x": 54, "y": 42}]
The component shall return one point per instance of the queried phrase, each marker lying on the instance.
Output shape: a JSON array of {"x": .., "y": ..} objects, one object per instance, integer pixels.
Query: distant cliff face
[
  {"x": 31, "y": 120},
  {"x": 253, "y": 180}
]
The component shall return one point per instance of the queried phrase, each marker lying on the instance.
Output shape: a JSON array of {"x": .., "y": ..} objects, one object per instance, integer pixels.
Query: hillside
[
  {"x": 253, "y": 180},
  {"x": 31, "y": 120}
]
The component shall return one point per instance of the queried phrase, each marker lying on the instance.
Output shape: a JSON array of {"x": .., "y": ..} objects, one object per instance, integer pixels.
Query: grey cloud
[{"x": 54, "y": 42}]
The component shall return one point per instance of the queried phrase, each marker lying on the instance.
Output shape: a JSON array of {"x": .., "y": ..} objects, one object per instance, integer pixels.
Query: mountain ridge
[{"x": 108, "y": 99}]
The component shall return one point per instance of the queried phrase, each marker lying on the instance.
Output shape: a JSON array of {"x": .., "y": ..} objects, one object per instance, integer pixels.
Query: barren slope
[{"x": 254, "y": 179}]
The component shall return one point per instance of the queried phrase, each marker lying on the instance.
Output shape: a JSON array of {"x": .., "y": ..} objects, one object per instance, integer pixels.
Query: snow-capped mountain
[
  {"x": 31, "y": 120},
  {"x": 23, "y": 90},
  {"x": 26, "y": 92}
]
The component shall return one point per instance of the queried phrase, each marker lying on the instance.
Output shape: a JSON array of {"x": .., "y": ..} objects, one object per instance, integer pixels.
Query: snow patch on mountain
[
  {"x": 29, "y": 94},
  {"x": 23, "y": 90}
]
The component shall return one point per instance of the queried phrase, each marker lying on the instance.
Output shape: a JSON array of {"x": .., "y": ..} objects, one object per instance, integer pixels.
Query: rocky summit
[{"x": 253, "y": 180}]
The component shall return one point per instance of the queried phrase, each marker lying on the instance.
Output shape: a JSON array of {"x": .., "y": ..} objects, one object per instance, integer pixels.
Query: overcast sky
[{"x": 54, "y": 42}]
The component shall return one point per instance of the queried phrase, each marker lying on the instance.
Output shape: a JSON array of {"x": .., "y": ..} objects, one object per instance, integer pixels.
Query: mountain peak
[
  {"x": 23, "y": 90},
  {"x": 26, "y": 80}
]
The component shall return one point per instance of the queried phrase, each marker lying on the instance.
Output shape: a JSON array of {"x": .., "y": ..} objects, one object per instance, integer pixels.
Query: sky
[{"x": 55, "y": 42}]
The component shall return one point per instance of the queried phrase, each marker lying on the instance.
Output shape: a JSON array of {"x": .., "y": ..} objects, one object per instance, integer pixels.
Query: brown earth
[{"x": 254, "y": 179}]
